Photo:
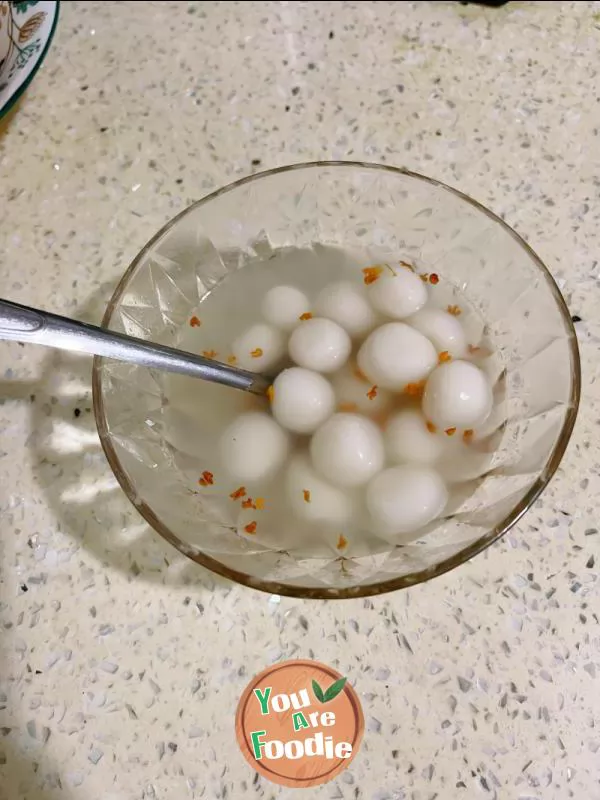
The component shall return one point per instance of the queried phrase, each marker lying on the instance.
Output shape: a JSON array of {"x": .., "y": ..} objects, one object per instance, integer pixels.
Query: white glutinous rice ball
[
  {"x": 408, "y": 440},
  {"x": 352, "y": 392},
  {"x": 302, "y": 399},
  {"x": 283, "y": 306},
  {"x": 442, "y": 329},
  {"x": 312, "y": 498},
  {"x": 398, "y": 292},
  {"x": 347, "y": 450},
  {"x": 395, "y": 354},
  {"x": 346, "y": 304},
  {"x": 457, "y": 395},
  {"x": 403, "y": 499},
  {"x": 319, "y": 344},
  {"x": 259, "y": 348},
  {"x": 253, "y": 447}
]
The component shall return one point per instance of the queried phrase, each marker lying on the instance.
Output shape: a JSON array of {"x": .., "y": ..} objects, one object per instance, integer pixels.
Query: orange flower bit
[
  {"x": 257, "y": 352},
  {"x": 271, "y": 393},
  {"x": 305, "y": 316},
  {"x": 232, "y": 360},
  {"x": 195, "y": 322},
  {"x": 342, "y": 542},
  {"x": 358, "y": 373},
  {"x": 450, "y": 431},
  {"x": 434, "y": 278},
  {"x": 415, "y": 389},
  {"x": 468, "y": 436},
  {"x": 238, "y": 493},
  {"x": 444, "y": 357},
  {"x": 372, "y": 393},
  {"x": 207, "y": 478},
  {"x": 431, "y": 427},
  {"x": 372, "y": 274},
  {"x": 306, "y": 495},
  {"x": 407, "y": 265},
  {"x": 250, "y": 528},
  {"x": 454, "y": 310},
  {"x": 209, "y": 353},
  {"x": 257, "y": 505},
  {"x": 347, "y": 408}
]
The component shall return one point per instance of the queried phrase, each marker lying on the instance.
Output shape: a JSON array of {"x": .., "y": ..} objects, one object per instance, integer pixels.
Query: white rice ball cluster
[
  {"x": 302, "y": 400},
  {"x": 410, "y": 366},
  {"x": 283, "y": 306},
  {"x": 346, "y": 304},
  {"x": 320, "y": 344},
  {"x": 395, "y": 355},
  {"x": 253, "y": 447},
  {"x": 259, "y": 349}
]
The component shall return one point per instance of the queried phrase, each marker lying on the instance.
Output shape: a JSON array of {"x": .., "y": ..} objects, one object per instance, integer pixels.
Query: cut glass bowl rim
[{"x": 389, "y": 584}]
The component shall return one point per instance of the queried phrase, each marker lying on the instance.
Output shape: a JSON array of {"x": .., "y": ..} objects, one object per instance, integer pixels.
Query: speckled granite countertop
[{"x": 120, "y": 663}]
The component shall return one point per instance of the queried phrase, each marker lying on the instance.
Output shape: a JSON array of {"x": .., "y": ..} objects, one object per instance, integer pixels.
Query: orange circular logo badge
[{"x": 299, "y": 723}]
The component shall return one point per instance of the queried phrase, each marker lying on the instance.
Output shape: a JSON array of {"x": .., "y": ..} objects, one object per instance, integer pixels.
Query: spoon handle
[{"x": 23, "y": 324}]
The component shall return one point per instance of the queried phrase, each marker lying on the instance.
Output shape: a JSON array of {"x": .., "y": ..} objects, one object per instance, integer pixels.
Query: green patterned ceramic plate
[{"x": 26, "y": 30}]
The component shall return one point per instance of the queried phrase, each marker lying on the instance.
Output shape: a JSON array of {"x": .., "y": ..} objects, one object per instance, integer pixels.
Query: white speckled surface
[{"x": 120, "y": 664}]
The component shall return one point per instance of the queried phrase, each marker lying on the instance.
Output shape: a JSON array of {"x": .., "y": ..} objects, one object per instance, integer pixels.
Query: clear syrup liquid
[{"x": 198, "y": 412}]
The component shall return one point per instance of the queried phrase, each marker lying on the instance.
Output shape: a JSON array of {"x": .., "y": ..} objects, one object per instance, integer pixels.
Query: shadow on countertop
[
  {"x": 70, "y": 466},
  {"x": 7, "y": 120},
  {"x": 22, "y": 778}
]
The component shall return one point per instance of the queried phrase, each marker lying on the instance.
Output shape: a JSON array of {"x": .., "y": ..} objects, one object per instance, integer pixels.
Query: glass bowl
[{"x": 372, "y": 208}]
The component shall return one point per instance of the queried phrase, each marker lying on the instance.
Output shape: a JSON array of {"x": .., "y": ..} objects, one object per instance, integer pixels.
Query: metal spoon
[{"x": 23, "y": 324}]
